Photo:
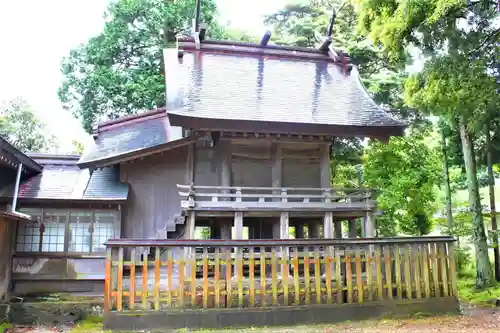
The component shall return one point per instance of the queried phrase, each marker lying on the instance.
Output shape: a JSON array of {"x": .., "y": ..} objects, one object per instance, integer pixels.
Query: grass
[
  {"x": 463, "y": 195},
  {"x": 468, "y": 292},
  {"x": 4, "y": 326},
  {"x": 92, "y": 324}
]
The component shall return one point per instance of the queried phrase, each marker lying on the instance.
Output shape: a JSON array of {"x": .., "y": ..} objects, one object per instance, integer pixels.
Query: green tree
[
  {"x": 407, "y": 171},
  {"x": 21, "y": 127},
  {"x": 78, "y": 147},
  {"x": 457, "y": 83},
  {"x": 119, "y": 72}
]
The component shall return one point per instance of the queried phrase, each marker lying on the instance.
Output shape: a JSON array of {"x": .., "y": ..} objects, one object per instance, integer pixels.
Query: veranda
[{"x": 174, "y": 283}]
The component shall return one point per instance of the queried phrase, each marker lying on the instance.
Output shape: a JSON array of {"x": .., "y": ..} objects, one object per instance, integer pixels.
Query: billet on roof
[{"x": 62, "y": 179}]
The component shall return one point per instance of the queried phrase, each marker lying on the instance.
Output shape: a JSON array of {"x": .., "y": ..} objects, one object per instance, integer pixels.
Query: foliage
[
  {"x": 407, "y": 171},
  {"x": 431, "y": 25},
  {"x": 470, "y": 294},
  {"x": 22, "y": 128},
  {"x": 460, "y": 81},
  {"x": 304, "y": 24},
  {"x": 119, "y": 72},
  {"x": 78, "y": 147}
]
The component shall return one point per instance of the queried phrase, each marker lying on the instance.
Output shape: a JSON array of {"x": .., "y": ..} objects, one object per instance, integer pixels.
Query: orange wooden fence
[{"x": 153, "y": 275}]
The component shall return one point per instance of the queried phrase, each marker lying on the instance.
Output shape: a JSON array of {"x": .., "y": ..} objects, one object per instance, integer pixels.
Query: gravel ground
[{"x": 473, "y": 320}]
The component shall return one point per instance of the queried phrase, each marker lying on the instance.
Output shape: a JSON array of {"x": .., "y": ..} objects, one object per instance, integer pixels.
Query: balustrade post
[
  {"x": 284, "y": 234},
  {"x": 238, "y": 228},
  {"x": 328, "y": 234},
  {"x": 189, "y": 253}
]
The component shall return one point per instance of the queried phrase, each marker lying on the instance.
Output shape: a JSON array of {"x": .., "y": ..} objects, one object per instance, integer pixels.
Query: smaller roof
[
  {"x": 62, "y": 179},
  {"x": 131, "y": 137},
  {"x": 10, "y": 156},
  {"x": 12, "y": 216}
]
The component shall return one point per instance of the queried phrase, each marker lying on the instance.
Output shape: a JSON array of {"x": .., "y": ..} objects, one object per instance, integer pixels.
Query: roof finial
[
  {"x": 197, "y": 16},
  {"x": 329, "y": 30}
]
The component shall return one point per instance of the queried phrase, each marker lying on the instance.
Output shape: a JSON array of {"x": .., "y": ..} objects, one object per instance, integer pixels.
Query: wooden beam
[
  {"x": 328, "y": 225},
  {"x": 369, "y": 222},
  {"x": 202, "y": 32},
  {"x": 224, "y": 155},
  {"x": 352, "y": 228},
  {"x": 277, "y": 165},
  {"x": 190, "y": 167},
  {"x": 324, "y": 47},
  {"x": 325, "y": 173}
]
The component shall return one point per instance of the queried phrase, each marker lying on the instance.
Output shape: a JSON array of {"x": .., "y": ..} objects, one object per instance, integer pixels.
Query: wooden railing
[
  {"x": 196, "y": 197},
  {"x": 144, "y": 275}
]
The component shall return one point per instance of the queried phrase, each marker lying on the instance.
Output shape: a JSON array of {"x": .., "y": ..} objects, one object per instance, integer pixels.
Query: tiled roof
[
  {"x": 130, "y": 135},
  {"x": 62, "y": 179},
  {"x": 263, "y": 89},
  {"x": 10, "y": 156}
]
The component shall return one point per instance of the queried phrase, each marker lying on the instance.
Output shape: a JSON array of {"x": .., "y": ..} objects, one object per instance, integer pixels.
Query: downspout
[{"x": 16, "y": 193}]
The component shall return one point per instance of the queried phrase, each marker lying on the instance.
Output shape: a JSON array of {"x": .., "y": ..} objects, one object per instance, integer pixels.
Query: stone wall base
[{"x": 285, "y": 316}]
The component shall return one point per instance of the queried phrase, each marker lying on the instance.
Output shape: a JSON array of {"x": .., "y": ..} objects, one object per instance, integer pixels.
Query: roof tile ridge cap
[
  {"x": 234, "y": 43},
  {"x": 128, "y": 120},
  {"x": 357, "y": 77}
]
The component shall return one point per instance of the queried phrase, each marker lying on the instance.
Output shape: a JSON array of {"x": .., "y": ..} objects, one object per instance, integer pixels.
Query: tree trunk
[
  {"x": 491, "y": 185},
  {"x": 484, "y": 274},
  {"x": 449, "y": 212}
]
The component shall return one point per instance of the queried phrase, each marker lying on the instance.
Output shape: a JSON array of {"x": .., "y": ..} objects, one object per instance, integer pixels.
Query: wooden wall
[
  {"x": 153, "y": 200},
  {"x": 251, "y": 164},
  {"x": 7, "y": 229}
]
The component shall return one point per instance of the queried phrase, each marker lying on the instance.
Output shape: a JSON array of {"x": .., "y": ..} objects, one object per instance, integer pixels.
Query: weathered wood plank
[
  {"x": 205, "y": 277},
  {"x": 296, "y": 280},
  {"x": 416, "y": 254},
  {"x": 317, "y": 275},
  {"x": 169, "y": 277},
  {"x": 425, "y": 270},
  {"x": 453, "y": 271},
  {"x": 274, "y": 276},
  {"x": 217, "y": 278},
  {"x": 338, "y": 277},
  {"x": 408, "y": 287},
  {"x": 107, "y": 281},
  {"x": 397, "y": 268},
  {"x": 307, "y": 278},
  {"x": 359, "y": 278},
  {"x": 251, "y": 273},
  {"x": 263, "y": 277},
  {"x": 157, "y": 279},
  {"x": 388, "y": 272},
  {"x": 378, "y": 273},
  {"x": 119, "y": 300},
  {"x": 444, "y": 268},
  {"x": 349, "y": 277}
]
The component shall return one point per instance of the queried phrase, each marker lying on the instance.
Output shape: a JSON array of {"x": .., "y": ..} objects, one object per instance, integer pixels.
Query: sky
[{"x": 35, "y": 35}]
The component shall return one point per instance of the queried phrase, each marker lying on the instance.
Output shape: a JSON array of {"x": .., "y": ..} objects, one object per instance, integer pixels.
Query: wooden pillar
[
  {"x": 238, "y": 234},
  {"x": 299, "y": 230},
  {"x": 338, "y": 229},
  {"x": 189, "y": 252},
  {"x": 277, "y": 166},
  {"x": 369, "y": 222},
  {"x": 352, "y": 228},
  {"x": 325, "y": 173},
  {"x": 314, "y": 229},
  {"x": 224, "y": 154},
  {"x": 328, "y": 225}
]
